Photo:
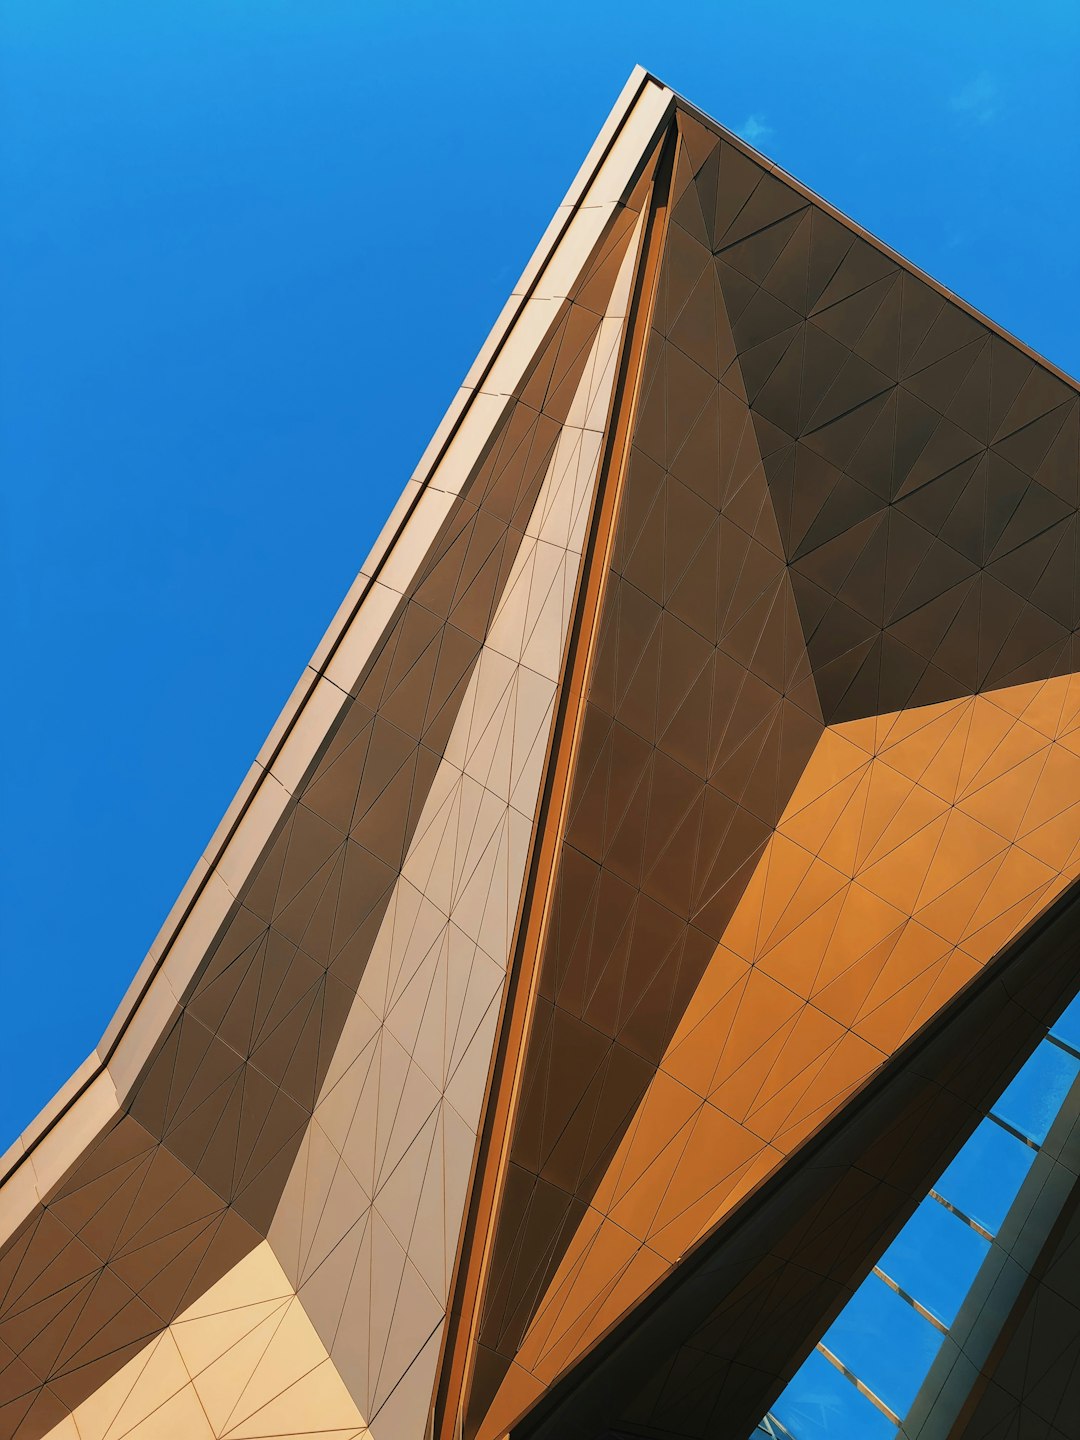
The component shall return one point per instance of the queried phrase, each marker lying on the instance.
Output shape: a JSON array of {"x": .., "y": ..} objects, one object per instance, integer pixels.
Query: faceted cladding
[{"x": 663, "y": 867}]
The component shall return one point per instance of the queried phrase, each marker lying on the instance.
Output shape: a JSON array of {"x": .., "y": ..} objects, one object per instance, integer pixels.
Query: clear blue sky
[{"x": 248, "y": 249}]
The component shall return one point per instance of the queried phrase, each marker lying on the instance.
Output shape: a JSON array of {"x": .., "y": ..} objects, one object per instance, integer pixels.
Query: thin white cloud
[
  {"x": 955, "y": 239},
  {"x": 977, "y": 100},
  {"x": 754, "y": 129}
]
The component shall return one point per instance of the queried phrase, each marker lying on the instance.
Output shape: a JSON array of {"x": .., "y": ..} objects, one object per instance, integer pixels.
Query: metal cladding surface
[{"x": 661, "y": 867}]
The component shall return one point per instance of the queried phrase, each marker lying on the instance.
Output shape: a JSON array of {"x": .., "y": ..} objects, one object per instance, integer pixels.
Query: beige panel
[
  {"x": 368, "y": 1223},
  {"x": 642, "y": 106},
  {"x": 243, "y": 1361},
  {"x": 47, "y": 1161}
]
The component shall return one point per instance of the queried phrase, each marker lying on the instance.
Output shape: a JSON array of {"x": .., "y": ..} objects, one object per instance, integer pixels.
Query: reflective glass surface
[
  {"x": 1034, "y": 1097},
  {"x": 935, "y": 1258},
  {"x": 1068, "y": 1027},
  {"x": 983, "y": 1179},
  {"x": 822, "y": 1404},
  {"x": 880, "y": 1337},
  {"x": 886, "y": 1343}
]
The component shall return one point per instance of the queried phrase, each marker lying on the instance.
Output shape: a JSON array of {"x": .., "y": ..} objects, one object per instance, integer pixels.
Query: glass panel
[
  {"x": 935, "y": 1258},
  {"x": 1034, "y": 1097},
  {"x": 821, "y": 1404},
  {"x": 1068, "y": 1027},
  {"x": 886, "y": 1343},
  {"x": 983, "y": 1179},
  {"x": 772, "y": 1427},
  {"x": 879, "y": 1336}
]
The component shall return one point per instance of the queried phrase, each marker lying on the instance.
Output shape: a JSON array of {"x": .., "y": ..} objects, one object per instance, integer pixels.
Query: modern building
[{"x": 632, "y": 993}]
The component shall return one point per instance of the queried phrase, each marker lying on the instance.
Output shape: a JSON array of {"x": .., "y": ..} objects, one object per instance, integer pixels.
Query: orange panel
[{"x": 893, "y": 875}]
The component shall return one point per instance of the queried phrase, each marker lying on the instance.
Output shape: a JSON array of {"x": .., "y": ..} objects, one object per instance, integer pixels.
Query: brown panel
[
  {"x": 245, "y": 1058},
  {"x": 901, "y": 439},
  {"x": 462, "y": 1355},
  {"x": 699, "y": 719}
]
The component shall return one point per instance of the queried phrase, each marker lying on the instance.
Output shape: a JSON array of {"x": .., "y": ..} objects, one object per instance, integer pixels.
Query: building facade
[{"x": 631, "y": 994}]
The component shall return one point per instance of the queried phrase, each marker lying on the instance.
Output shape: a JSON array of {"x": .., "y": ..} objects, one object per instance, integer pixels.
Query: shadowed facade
[{"x": 661, "y": 867}]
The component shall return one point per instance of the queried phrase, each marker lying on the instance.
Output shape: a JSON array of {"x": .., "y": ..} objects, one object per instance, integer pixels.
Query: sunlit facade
[{"x": 632, "y": 994}]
